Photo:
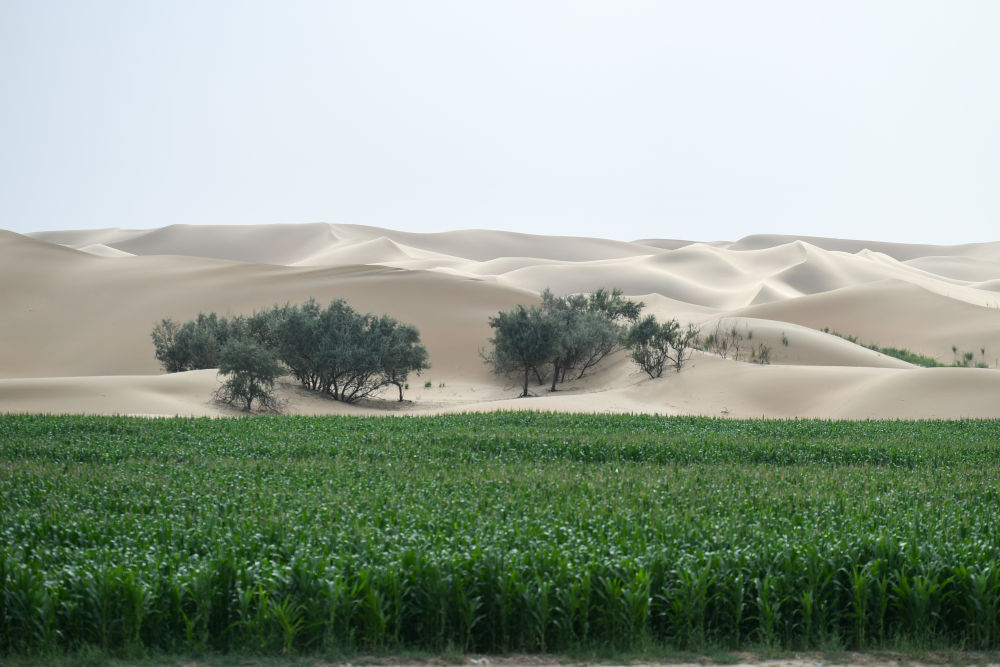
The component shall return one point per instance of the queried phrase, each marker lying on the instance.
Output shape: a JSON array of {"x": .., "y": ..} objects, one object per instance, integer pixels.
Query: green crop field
[{"x": 494, "y": 533}]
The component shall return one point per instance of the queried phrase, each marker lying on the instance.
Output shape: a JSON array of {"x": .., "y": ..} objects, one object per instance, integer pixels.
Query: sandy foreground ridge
[{"x": 78, "y": 307}]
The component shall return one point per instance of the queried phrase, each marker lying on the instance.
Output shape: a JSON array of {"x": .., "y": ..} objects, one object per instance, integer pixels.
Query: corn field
[{"x": 497, "y": 532}]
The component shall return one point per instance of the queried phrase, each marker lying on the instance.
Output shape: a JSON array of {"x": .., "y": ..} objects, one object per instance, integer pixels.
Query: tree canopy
[
  {"x": 567, "y": 335},
  {"x": 524, "y": 339},
  {"x": 250, "y": 369},
  {"x": 333, "y": 350}
]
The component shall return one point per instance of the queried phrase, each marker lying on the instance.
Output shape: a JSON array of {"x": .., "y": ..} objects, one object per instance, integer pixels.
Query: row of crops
[{"x": 495, "y": 533}]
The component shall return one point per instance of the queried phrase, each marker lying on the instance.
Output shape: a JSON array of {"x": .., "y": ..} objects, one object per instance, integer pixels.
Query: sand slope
[{"x": 78, "y": 307}]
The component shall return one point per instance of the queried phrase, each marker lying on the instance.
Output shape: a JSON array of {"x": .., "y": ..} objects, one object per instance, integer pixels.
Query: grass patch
[{"x": 899, "y": 353}]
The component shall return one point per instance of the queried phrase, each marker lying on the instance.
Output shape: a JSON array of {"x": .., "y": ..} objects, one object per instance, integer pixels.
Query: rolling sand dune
[
  {"x": 899, "y": 251},
  {"x": 897, "y": 314},
  {"x": 78, "y": 307},
  {"x": 959, "y": 268}
]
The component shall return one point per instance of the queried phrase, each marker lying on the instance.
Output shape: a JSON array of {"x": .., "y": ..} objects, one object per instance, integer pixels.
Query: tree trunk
[
  {"x": 526, "y": 372},
  {"x": 399, "y": 385},
  {"x": 555, "y": 375}
]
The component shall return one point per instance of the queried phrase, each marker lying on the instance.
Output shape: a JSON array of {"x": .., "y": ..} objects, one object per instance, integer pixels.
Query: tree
[
  {"x": 348, "y": 367},
  {"x": 401, "y": 352},
  {"x": 263, "y": 326},
  {"x": 192, "y": 345},
  {"x": 163, "y": 341},
  {"x": 589, "y": 328},
  {"x": 614, "y": 306},
  {"x": 524, "y": 340},
  {"x": 583, "y": 336},
  {"x": 650, "y": 344},
  {"x": 684, "y": 342},
  {"x": 655, "y": 345},
  {"x": 348, "y": 355},
  {"x": 334, "y": 350},
  {"x": 251, "y": 370},
  {"x": 298, "y": 343}
]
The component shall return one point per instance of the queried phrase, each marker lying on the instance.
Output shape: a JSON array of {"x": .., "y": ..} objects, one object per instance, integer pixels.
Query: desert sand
[{"x": 78, "y": 307}]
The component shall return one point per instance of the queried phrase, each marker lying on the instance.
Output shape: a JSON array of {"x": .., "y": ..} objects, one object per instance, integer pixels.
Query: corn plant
[{"x": 495, "y": 533}]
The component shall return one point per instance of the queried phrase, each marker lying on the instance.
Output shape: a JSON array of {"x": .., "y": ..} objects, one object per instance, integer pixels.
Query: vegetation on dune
[
  {"x": 656, "y": 346},
  {"x": 250, "y": 369},
  {"x": 961, "y": 360},
  {"x": 334, "y": 350},
  {"x": 567, "y": 336},
  {"x": 732, "y": 342},
  {"x": 495, "y": 532}
]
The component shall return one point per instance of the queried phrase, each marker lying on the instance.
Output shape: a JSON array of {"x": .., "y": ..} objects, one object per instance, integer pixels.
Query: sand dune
[
  {"x": 102, "y": 250},
  {"x": 899, "y": 251},
  {"x": 960, "y": 268},
  {"x": 79, "y": 305},
  {"x": 244, "y": 243},
  {"x": 790, "y": 344},
  {"x": 897, "y": 314},
  {"x": 69, "y": 313}
]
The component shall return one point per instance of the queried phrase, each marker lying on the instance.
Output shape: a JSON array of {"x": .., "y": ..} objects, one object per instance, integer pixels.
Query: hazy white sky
[{"x": 705, "y": 120}]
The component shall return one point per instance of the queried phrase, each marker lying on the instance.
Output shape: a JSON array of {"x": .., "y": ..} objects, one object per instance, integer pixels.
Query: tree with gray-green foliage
[
  {"x": 614, "y": 307},
  {"x": 190, "y": 346},
  {"x": 333, "y": 350},
  {"x": 656, "y": 346},
  {"x": 401, "y": 352},
  {"x": 583, "y": 337},
  {"x": 524, "y": 340},
  {"x": 589, "y": 329},
  {"x": 250, "y": 370},
  {"x": 298, "y": 343},
  {"x": 568, "y": 335},
  {"x": 167, "y": 353},
  {"x": 347, "y": 355}
]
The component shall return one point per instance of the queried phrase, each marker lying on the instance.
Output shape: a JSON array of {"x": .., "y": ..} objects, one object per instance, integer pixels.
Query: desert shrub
[
  {"x": 726, "y": 341},
  {"x": 729, "y": 341},
  {"x": 524, "y": 340},
  {"x": 896, "y": 352},
  {"x": 656, "y": 346},
  {"x": 167, "y": 353},
  {"x": 760, "y": 353},
  {"x": 250, "y": 370},
  {"x": 401, "y": 353}
]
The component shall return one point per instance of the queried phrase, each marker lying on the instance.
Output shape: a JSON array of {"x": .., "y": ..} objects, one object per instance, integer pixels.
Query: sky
[{"x": 703, "y": 120}]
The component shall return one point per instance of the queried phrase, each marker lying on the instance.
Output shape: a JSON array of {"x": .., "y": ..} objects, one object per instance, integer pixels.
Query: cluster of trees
[
  {"x": 566, "y": 336},
  {"x": 334, "y": 350}
]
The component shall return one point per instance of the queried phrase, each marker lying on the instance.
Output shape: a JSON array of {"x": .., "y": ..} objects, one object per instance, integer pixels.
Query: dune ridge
[{"x": 79, "y": 305}]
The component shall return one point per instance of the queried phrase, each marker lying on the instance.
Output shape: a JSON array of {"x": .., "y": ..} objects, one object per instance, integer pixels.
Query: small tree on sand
[
  {"x": 167, "y": 352},
  {"x": 588, "y": 329},
  {"x": 524, "y": 340},
  {"x": 250, "y": 370},
  {"x": 401, "y": 352}
]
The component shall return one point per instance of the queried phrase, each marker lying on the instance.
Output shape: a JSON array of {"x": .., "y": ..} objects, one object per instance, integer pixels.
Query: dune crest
[{"x": 79, "y": 306}]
